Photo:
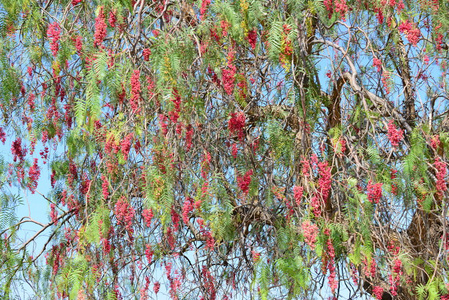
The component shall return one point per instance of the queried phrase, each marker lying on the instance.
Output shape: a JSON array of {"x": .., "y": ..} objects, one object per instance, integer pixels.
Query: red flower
[
  {"x": 100, "y": 28},
  {"x": 374, "y": 192},
  {"x": 236, "y": 124},
  {"x": 252, "y": 38},
  {"x": 244, "y": 181},
  {"x": 394, "y": 135},
  {"x": 54, "y": 33},
  {"x": 377, "y": 63}
]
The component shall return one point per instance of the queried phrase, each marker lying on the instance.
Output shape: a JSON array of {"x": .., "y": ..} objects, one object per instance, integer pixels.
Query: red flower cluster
[
  {"x": 252, "y": 38},
  {"x": 112, "y": 19},
  {"x": 54, "y": 33},
  {"x": 228, "y": 78},
  {"x": 17, "y": 150},
  {"x": 331, "y": 263},
  {"x": 175, "y": 219},
  {"x": 378, "y": 292},
  {"x": 341, "y": 8},
  {"x": 186, "y": 209},
  {"x": 146, "y": 54},
  {"x": 75, "y": 2},
  {"x": 34, "y": 174},
  {"x": 377, "y": 63},
  {"x": 189, "y": 135},
  {"x": 105, "y": 186},
  {"x": 124, "y": 213},
  {"x": 413, "y": 33},
  {"x": 244, "y": 181},
  {"x": 310, "y": 232},
  {"x": 236, "y": 124},
  {"x": 125, "y": 145},
  {"x": 435, "y": 142},
  {"x": 149, "y": 253},
  {"x": 53, "y": 214},
  {"x": 2, "y": 135},
  {"x": 394, "y": 135},
  {"x": 209, "y": 283},
  {"x": 204, "y": 6},
  {"x": 397, "y": 269},
  {"x": 156, "y": 287},
  {"x": 100, "y": 28},
  {"x": 147, "y": 215},
  {"x": 440, "y": 185},
  {"x": 325, "y": 180},
  {"x": 297, "y": 194},
  {"x": 79, "y": 44},
  {"x": 394, "y": 186},
  {"x": 234, "y": 150},
  {"x": 374, "y": 192},
  {"x": 135, "y": 91}
]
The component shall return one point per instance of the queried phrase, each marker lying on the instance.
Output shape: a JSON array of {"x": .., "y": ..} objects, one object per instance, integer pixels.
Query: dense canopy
[{"x": 225, "y": 149}]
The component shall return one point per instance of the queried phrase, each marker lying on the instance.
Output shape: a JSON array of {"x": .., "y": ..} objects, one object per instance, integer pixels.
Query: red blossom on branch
[
  {"x": 100, "y": 28},
  {"x": 54, "y": 33},
  {"x": 374, "y": 192},
  {"x": 236, "y": 124},
  {"x": 244, "y": 181},
  {"x": 394, "y": 135}
]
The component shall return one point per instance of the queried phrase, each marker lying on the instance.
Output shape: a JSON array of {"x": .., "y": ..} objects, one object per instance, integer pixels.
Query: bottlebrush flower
[
  {"x": 394, "y": 135},
  {"x": 100, "y": 28},
  {"x": 54, "y": 33}
]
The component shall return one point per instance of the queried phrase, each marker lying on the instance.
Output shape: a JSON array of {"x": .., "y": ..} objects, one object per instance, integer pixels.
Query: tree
[{"x": 226, "y": 149}]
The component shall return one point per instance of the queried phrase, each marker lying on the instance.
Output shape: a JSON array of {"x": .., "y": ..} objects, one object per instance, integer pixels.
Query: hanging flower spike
[{"x": 54, "y": 33}]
